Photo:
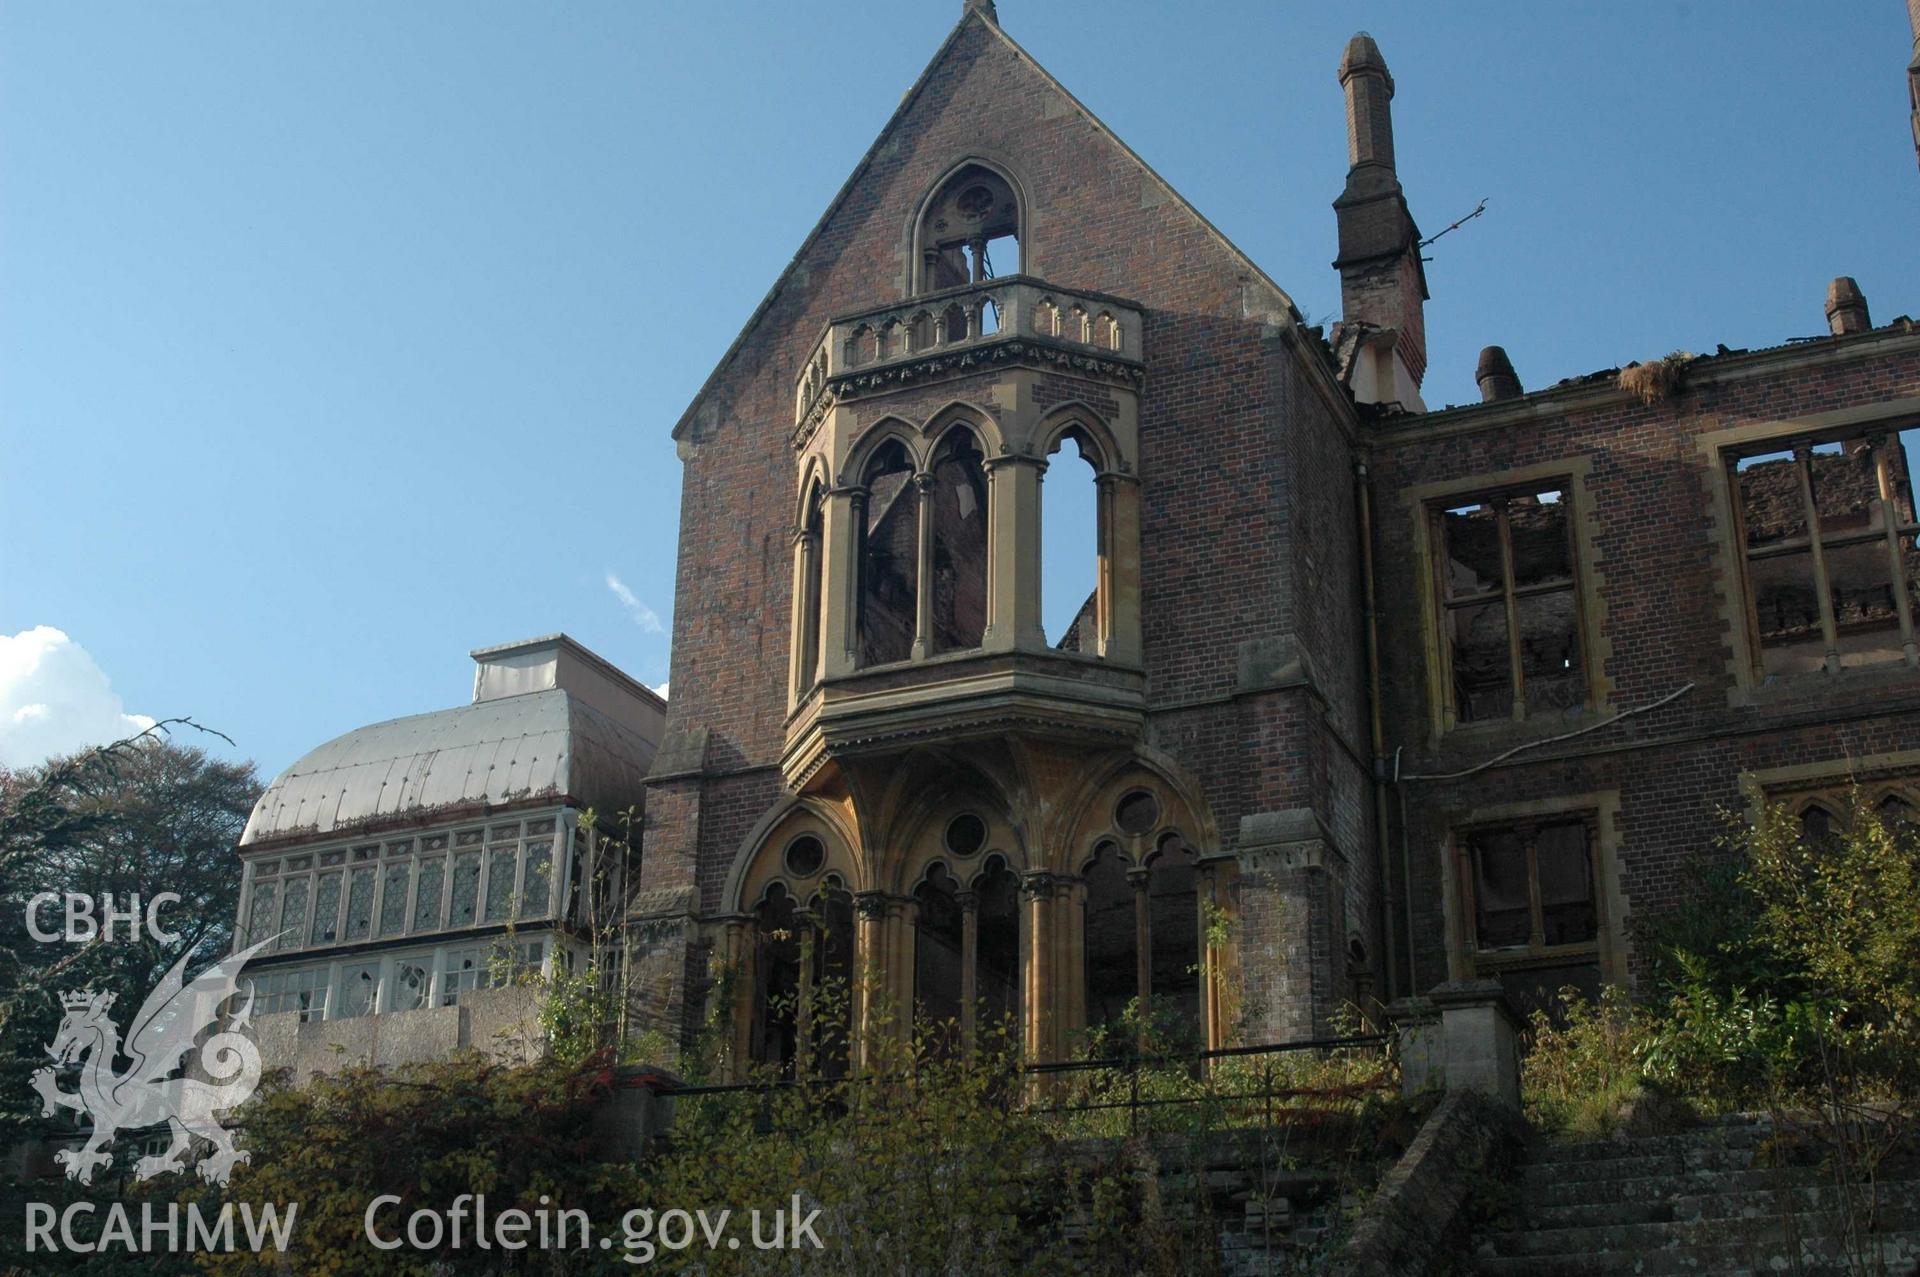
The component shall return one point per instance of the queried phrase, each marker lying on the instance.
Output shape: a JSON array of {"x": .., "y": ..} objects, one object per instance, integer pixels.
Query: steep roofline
[{"x": 906, "y": 103}]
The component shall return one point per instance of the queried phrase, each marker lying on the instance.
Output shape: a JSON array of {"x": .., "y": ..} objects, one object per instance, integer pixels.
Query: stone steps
[
  {"x": 1718, "y": 1203},
  {"x": 1707, "y": 1201}
]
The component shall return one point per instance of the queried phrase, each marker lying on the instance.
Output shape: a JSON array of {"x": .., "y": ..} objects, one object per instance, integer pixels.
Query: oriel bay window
[
  {"x": 1827, "y": 532},
  {"x": 1508, "y": 606}
]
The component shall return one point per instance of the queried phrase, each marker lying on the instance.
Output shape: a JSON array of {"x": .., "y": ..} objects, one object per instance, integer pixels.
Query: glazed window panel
[
  {"x": 466, "y": 890},
  {"x": 410, "y": 981},
  {"x": 393, "y": 898},
  {"x": 293, "y": 914},
  {"x": 261, "y": 914},
  {"x": 501, "y": 863},
  {"x": 537, "y": 893},
  {"x": 1531, "y": 886},
  {"x": 1828, "y": 531},
  {"x": 359, "y": 987},
  {"x": 1511, "y": 631},
  {"x": 360, "y": 904},
  {"x": 426, "y": 904},
  {"x": 326, "y": 910}
]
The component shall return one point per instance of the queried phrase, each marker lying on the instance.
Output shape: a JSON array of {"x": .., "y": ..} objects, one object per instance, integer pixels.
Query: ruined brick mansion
[{"x": 1364, "y": 696}]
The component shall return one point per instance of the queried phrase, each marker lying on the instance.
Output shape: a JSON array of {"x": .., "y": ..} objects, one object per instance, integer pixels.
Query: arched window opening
[
  {"x": 1113, "y": 924},
  {"x": 959, "y": 525},
  {"x": 1072, "y": 549},
  {"x": 1817, "y": 824},
  {"x": 1896, "y": 813},
  {"x": 969, "y": 231},
  {"x": 889, "y": 557},
  {"x": 996, "y": 904},
  {"x": 831, "y": 1012},
  {"x": 807, "y": 603},
  {"x": 1173, "y": 908},
  {"x": 776, "y": 981},
  {"x": 989, "y": 317},
  {"x": 938, "y": 960}
]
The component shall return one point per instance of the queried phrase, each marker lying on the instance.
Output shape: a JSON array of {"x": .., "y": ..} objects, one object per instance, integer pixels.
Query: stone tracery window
[
  {"x": 923, "y": 552},
  {"x": 889, "y": 557},
  {"x": 807, "y": 591},
  {"x": 969, "y": 231}
]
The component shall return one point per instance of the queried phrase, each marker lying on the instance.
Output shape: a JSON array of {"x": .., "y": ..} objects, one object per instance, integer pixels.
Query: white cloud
[
  {"x": 643, "y": 616},
  {"x": 661, "y": 691},
  {"x": 55, "y": 700}
]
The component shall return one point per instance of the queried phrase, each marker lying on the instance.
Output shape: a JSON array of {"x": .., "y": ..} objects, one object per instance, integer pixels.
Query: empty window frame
[
  {"x": 1827, "y": 530},
  {"x": 1508, "y": 603},
  {"x": 1531, "y": 888}
]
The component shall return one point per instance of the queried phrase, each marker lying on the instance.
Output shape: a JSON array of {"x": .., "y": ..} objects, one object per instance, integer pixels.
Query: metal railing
[{"x": 1135, "y": 1068}]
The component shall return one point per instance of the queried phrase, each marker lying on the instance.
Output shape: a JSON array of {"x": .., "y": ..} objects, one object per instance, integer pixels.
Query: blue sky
[{"x": 336, "y": 340}]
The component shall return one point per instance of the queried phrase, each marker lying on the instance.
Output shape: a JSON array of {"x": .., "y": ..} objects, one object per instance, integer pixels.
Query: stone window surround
[
  {"x": 559, "y": 871},
  {"x": 1610, "y": 943},
  {"x": 1746, "y": 685},
  {"x": 1570, "y": 476},
  {"x": 1876, "y": 775}
]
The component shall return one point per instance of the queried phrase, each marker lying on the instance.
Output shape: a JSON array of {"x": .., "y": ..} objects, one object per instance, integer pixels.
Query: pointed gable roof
[{"x": 981, "y": 15}]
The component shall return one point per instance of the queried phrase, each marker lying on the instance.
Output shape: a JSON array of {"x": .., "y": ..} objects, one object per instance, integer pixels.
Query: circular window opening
[
  {"x": 1137, "y": 813},
  {"x": 805, "y": 855},
  {"x": 966, "y": 834}
]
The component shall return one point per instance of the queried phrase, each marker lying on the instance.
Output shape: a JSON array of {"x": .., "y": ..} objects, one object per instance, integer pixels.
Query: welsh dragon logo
[{"x": 145, "y": 1094}]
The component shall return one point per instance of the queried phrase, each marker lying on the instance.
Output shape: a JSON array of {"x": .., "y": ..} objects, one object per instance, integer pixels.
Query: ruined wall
[{"x": 1662, "y": 591}]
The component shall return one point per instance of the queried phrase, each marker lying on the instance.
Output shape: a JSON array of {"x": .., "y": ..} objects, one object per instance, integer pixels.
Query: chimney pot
[
  {"x": 1496, "y": 376},
  {"x": 1847, "y": 307}
]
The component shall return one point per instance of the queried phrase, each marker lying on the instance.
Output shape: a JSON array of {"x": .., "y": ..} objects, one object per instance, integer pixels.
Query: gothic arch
[
  {"x": 920, "y": 238},
  {"x": 875, "y": 437},
  {"x": 1075, "y": 416},
  {"x": 757, "y": 862},
  {"x": 1087, "y": 814}
]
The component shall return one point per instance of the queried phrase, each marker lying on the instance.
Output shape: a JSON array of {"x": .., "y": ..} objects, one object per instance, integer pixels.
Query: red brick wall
[
  {"x": 1661, "y": 578},
  {"x": 1236, "y": 450}
]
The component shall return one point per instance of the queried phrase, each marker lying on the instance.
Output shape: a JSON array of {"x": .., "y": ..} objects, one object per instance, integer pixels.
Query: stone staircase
[{"x": 1734, "y": 1196}]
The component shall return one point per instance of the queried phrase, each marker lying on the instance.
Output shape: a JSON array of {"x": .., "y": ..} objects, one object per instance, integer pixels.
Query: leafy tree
[{"x": 136, "y": 818}]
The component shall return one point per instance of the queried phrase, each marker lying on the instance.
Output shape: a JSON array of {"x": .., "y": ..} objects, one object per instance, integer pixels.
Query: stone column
[
  {"x": 923, "y": 486},
  {"x": 1140, "y": 879},
  {"x": 1036, "y": 898},
  {"x": 1070, "y": 947},
  {"x": 1120, "y": 567},
  {"x": 736, "y": 954},
  {"x": 1013, "y": 574},
  {"x": 868, "y": 993},
  {"x": 901, "y": 916},
  {"x": 969, "y": 967},
  {"x": 846, "y": 519},
  {"x": 803, "y": 659}
]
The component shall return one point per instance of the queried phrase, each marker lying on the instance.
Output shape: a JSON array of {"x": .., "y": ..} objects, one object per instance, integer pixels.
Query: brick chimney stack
[
  {"x": 1382, "y": 285},
  {"x": 1496, "y": 376},
  {"x": 1846, "y": 304}
]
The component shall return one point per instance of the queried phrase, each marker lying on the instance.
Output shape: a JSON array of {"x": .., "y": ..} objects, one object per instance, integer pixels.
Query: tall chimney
[
  {"x": 1382, "y": 284},
  {"x": 1846, "y": 304}
]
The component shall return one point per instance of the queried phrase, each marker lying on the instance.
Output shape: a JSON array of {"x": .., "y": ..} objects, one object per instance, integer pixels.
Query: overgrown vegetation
[{"x": 1790, "y": 980}]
